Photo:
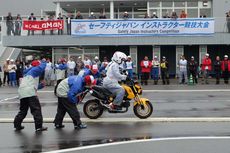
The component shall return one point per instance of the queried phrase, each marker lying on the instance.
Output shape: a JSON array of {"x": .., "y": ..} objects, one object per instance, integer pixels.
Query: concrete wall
[
  {"x": 25, "y": 7},
  {"x": 52, "y": 41},
  {"x": 220, "y": 7}
]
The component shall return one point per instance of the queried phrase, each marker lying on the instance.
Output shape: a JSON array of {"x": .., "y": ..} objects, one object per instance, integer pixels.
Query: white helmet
[{"x": 118, "y": 57}]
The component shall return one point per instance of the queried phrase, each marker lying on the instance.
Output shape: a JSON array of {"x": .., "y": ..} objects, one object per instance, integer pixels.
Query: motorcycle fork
[{"x": 138, "y": 101}]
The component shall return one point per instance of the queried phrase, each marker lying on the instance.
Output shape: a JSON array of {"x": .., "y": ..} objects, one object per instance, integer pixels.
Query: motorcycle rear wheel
[
  {"x": 92, "y": 109},
  {"x": 142, "y": 111}
]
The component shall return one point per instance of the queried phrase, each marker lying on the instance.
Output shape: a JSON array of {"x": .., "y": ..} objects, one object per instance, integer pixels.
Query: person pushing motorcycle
[{"x": 113, "y": 76}]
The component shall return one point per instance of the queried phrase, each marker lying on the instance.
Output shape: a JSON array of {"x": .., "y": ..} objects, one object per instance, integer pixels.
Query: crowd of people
[
  {"x": 149, "y": 69},
  {"x": 188, "y": 69},
  {"x": 14, "y": 24},
  {"x": 14, "y": 70}
]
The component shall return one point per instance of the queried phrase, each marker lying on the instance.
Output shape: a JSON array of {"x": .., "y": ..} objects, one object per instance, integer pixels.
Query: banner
[
  {"x": 144, "y": 27},
  {"x": 43, "y": 25}
]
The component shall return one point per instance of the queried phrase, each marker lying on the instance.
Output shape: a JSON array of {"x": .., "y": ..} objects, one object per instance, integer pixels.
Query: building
[{"x": 137, "y": 47}]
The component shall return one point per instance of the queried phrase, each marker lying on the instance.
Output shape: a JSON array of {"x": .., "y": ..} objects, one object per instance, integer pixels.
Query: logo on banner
[{"x": 80, "y": 28}]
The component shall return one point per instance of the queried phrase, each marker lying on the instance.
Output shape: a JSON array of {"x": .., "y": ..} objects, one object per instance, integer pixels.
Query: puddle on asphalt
[{"x": 72, "y": 144}]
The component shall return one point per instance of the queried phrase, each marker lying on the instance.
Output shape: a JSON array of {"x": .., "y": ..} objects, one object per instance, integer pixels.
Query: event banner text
[
  {"x": 43, "y": 25},
  {"x": 144, "y": 27}
]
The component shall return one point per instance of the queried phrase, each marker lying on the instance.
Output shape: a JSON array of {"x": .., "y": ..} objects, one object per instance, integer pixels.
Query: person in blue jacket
[
  {"x": 69, "y": 93},
  {"x": 88, "y": 70},
  {"x": 28, "y": 96}
]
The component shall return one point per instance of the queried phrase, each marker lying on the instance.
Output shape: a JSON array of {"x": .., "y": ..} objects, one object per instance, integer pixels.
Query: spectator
[
  {"x": 18, "y": 25},
  {"x": 31, "y": 18},
  {"x": 19, "y": 71},
  {"x": 6, "y": 72},
  {"x": 80, "y": 65},
  {"x": 0, "y": 76},
  {"x": 103, "y": 65},
  {"x": 70, "y": 67},
  {"x": 97, "y": 62},
  {"x": 146, "y": 66},
  {"x": 174, "y": 15},
  {"x": 192, "y": 67},
  {"x": 87, "y": 61},
  {"x": 225, "y": 67},
  {"x": 217, "y": 69},
  {"x": 79, "y": 16},
  {"x": 183, "y": 70},
  {"x": 146, "y": 15},
  {"x": 164, "y": 70},
  {"x": 129, "y": 67},
  {"x": 60, "y": 69},
  {"x": 60, "y": 31},
  {"x": 51, "y": 18},
  {"x": 27, "y": 66},
  {"x": 102, "y": 15},
  {"x": 206, "y": 68},
  {"x": 228, "y": 21},
  {"x": 43, "y": 31},
  {"x": 68, "y": 23},
  {"x": 155, "y": 70},
  {"x": 48, "y": 72},
  {"x": 166, "y": 15},
  {"x": 154, "y": 15},
  {"x": 203, "y": 16},
  {"x": 9, "y": 24},
  {"x": 183, "y": 14},
  {"x": 92, "y": 16},
  {"x": 126, "y": 15},
  {"x": 12, "y": 73}
]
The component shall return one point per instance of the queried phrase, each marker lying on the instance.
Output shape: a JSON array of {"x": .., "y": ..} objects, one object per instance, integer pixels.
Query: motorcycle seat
[{"x": 104, "y": 91}]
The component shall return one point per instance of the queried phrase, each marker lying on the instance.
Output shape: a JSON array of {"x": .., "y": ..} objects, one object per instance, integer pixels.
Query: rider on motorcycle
[{"x": 113, "y": 76}]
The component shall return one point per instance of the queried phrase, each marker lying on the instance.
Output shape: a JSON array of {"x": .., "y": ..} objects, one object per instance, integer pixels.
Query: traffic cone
[{"x": 190, "y": 82}]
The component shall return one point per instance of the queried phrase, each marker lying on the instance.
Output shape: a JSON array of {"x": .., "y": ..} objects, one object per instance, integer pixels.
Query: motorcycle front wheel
[
  {"x": 142, "y": 111},
  {"x": 92, "y": 109}
]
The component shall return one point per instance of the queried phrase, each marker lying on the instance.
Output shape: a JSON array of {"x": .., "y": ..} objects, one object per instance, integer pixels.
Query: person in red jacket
[
  {"x": 146, "y": 66},
  {"x": 206, "y": 68},
  {"x": 225, "y": 67}
]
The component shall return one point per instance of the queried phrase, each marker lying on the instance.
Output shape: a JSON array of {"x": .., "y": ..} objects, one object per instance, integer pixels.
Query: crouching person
[
  {"x": 28, "y": 96},
  {"x": 68, "y": 92}
]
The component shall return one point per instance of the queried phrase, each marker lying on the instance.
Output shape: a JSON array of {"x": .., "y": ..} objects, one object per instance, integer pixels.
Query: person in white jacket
[
  {"x": 183, "y": 70},
  {"x": 12, "y": 73},
  {"x": 70, "y": 67},
  {"x": 113, "y": 75}
]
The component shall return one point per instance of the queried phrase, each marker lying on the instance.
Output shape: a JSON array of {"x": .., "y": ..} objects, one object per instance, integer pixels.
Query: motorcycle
[{"x": 94, "y": 108}]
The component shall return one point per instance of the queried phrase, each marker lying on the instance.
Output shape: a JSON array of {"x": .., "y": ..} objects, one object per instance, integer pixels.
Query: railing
[{"x": 220, "y": 27}]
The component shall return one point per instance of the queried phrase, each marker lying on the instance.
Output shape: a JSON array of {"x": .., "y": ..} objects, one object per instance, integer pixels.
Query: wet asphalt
[{"x": 166, "y": 104}]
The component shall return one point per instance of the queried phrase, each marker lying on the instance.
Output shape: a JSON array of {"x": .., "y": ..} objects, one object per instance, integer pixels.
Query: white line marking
[
  {"x": 137, "y": 141},
  {"x": 115, "y": 120},
  {"x": 10, "y": 98},
  {"x": 147, "y": 91}
]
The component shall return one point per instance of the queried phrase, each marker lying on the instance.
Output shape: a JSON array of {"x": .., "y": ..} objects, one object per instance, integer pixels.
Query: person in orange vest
[
  {"x": 206, "y": 67},
  {"x": 225, "y": 67},
  {"x": 146, "y": 66}
]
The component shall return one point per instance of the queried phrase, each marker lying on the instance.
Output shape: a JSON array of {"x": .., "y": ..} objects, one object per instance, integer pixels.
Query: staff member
[
  {"x": 146, "y": 67},
  {"x": 164, "y": 70},
  {"x": 28, "y": 96},
  {"x": 68, "y": 92},
  {"x": 225, "y": 66}
]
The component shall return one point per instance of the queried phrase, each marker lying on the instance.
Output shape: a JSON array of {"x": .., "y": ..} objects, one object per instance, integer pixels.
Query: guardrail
[{"x": 220, "y": 27}]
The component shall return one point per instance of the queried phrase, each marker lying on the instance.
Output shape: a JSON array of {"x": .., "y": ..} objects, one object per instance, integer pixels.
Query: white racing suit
[{"x": 110, "y": 82}]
